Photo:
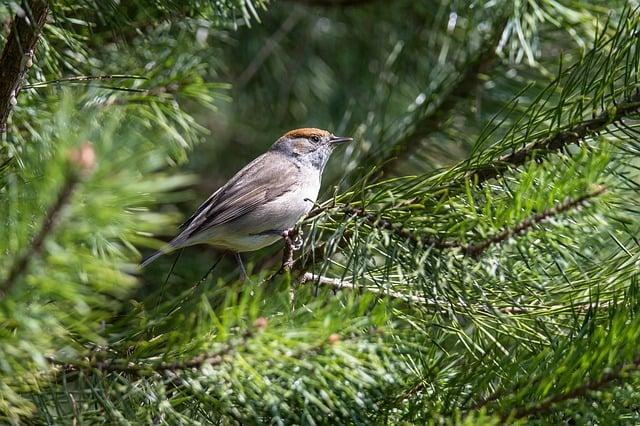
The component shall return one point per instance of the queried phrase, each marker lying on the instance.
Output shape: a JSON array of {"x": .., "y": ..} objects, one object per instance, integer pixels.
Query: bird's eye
[{"x": 315, "y": 138}]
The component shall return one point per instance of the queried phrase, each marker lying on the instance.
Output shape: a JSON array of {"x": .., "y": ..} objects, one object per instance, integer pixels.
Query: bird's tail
[
  {"x": 176, "y": 243},
  {"x": 153, "y": 257}
]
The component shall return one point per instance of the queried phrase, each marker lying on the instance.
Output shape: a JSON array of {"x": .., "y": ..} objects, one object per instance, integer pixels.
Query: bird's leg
[
  {"x": 243, "y": 272},
  {"x": 166, "y": 280},
  {"x": 292, "y": 242}
]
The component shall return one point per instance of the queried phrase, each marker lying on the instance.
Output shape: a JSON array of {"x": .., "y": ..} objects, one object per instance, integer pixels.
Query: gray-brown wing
[{"x": 267, "y": 177}]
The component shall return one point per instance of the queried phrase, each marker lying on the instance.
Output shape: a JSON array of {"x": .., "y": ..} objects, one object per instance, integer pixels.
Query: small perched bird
[{"x": 264, "y": 200}]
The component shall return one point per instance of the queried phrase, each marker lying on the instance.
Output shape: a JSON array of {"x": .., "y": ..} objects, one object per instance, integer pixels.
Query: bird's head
[{"x": 308, "y": 145}]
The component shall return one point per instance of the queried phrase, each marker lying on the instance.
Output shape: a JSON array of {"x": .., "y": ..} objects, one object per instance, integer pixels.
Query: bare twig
[
  {"x": 83, "y": 79},
  {"x": 17, "y": 55},
  {"x": 338, "y": 284}
]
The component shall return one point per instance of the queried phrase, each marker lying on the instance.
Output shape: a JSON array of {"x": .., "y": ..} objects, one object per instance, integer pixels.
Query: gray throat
[{"x": 317, "y": 159}]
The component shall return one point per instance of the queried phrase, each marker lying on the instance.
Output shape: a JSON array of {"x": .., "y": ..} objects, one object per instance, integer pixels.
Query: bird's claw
[
  {"x": 292, "y": 242},
  {"x": 293, "y": 237},
  {"x": 296, "y": 244}
]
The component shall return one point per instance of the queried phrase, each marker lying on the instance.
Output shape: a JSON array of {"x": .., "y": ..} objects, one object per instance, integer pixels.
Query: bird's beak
[{"x": 335, "y": 140}]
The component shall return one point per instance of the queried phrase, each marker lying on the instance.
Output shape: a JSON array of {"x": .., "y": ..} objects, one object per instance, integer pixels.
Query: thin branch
[
  {"x": 398, "y": 230},
  {"x": 303, "y": 264},
  {"x": 35, "y": 247},
  {"x": 474, "y": 250},
  {"x": 559, "y": 141},
  {"x": 83, "y": 79},
  {"x": 268, "y": 48},
  {"x": 338, "y": 284},
  {"x": 548, "y": 404},
  {"x": 141, "y": 370},
  {"x": 502, "y": 392},
  {"x": 196, "y": 362},
  {"x": 17, "y": 55}
]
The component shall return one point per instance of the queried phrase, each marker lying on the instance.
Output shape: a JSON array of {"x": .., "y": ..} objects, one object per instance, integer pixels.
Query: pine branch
[
  {"x": 83, "y": 161},
  {"x": 539, "y": 149},
  {"x": 502, "y": 392},
  {"x": 212, "y": 359},
  {"x": 17, "y": 55},
  {"x": 141, "y": 370},
  {"x": 474, "y": 250},
  {"x": 398, "y": 230},
  {"x": 548, "y": 404},
  {"x": 443, "y": 306}
]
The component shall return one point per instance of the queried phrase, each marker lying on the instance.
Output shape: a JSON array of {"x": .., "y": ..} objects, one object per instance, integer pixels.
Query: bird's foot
[
  {"x": 296, "y": 236},
  {"x": 243, "y": 272},
  {"x": 292, "y": 242}
]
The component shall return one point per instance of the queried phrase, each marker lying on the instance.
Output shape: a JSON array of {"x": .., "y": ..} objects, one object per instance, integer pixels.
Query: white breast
[{"x": 286, "y": 210}]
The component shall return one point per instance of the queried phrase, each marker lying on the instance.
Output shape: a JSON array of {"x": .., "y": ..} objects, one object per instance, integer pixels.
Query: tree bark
[{"x": 18, "y": 52}]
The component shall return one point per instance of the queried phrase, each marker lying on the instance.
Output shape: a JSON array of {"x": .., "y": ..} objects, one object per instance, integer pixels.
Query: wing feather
[{"x": 260, "y": 181}]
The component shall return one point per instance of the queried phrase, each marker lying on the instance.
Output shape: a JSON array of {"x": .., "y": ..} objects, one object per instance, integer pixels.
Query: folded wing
[{"x": 260, "y": 181}]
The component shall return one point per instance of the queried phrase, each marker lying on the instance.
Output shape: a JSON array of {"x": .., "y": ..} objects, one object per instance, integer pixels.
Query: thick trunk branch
[{"x": 18, "y": 52}]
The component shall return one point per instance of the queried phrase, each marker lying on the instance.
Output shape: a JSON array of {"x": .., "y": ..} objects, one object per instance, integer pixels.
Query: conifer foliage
[{"x": 473, "y": 257}]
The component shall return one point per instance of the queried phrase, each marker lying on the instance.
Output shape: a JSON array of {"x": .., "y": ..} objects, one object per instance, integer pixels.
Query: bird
[{"x": 262, "y": 201}]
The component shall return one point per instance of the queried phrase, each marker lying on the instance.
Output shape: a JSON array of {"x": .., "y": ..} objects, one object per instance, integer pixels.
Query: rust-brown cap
[{"x": 305, "y": 132}]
